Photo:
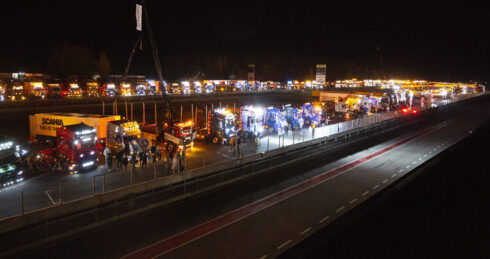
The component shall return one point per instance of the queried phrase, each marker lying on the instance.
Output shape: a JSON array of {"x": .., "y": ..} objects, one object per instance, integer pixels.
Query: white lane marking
[
  {"x": 285, "y": 244},
  {"x": 393, "y": 176},
  {"x": 420, "y": 158},
  {"x": 375, "y": 186},
  {"x": 425, "y": 155},
  {"x": 263, "y": 257},
  {"x": 401, "y": 170},
  {"x": 306, "y": 230},
  {"x": 386, "y": 180},
  {"x": 435, "y": 149},
  {"x": 408, "y": 166},
  {"x": 352, "y": 201},
  {"x": 325, "y": 218},
  {"x": 49, "y": 196},
  {"x": 364, "y": 194},
  {"x": 339, "y": 209},
  {"x": 413, "y": 163},
  {"x": 430, "y": 152}
]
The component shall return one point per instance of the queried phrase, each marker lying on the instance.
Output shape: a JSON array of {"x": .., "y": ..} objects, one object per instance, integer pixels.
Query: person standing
[
  {"x": 108, "y": 160},
  {"x": 184, "y": 160},
  {"x": 133, "y": 160},
  {"x": 175, "y": 163},
  {"x": 125, "y": 161},
  {"x": 140, "y": 156},
  {"x": 159, "y": 153},
  {"x": 119, "y": 160},
  {"x": 144, "y": 158}
]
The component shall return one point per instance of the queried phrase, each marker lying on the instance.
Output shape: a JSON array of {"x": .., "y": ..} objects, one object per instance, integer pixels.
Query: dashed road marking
[
  {"x": 413, "y": 163},
  {"x": 263, "y": 257},
  {"x": 352, "y": 201},
  {"x": 430, "y": 152},
  {"x": 306, "y": 230},
  {"x": 376, "y": 186},
  {"x": 339, "y": 209},
  {"x": 364, "y": 194},
  {"x": 285, "y": 244},
  {"x": 401, "y": 170},
  {"x": 425, "y": 155},
  {"x": 49, "y": 196},
  {"x": 393, "y": 176},
  {"x": 322, "y": 220},
  {"x": 385, "y": 180},
  {"x": 408, "y": 166},
  {"x": 420, "y": 158}
]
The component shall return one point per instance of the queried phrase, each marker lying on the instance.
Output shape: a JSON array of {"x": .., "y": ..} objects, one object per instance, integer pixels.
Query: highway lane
[{"x": 268, "y": 231}]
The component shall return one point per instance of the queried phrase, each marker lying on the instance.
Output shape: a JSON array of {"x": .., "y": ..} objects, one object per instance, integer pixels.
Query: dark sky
[{"x": 438, "y": 41}]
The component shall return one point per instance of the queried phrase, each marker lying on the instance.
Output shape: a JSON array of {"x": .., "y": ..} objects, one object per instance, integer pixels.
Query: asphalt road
[{"x": 266, "y": 216}]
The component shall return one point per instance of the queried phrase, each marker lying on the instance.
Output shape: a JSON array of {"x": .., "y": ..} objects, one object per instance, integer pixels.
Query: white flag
[{"x": 138, "y": 17}]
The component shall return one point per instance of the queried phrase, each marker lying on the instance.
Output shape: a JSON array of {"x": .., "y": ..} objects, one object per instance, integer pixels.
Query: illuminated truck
[
  {"x": 220, "y": 127},
  {"x": 140, "y": 89},
  {"x": 125, "y": 89},
  {"x": 35, "y": 89},
  {"x": 76, "y": 147},
  {"x": 312, "y": 115},
  {"x": 92, "y": 88},
  {"x": 18, "y": 92},
  {"x": 108, "y": 90},
  {"x": 53, "y": 89},
  {"x": 74, "y": 90},
  {"x": 123, "y": 133},
  {"x": 10, "y": 172},
  {"x": 173, "y": 136},
  {"x": 251, "y": 120},
  {"x": 275, "y": 121}
]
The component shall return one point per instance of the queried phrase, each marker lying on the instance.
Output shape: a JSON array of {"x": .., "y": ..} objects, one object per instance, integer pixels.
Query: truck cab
[
  {"x": 74, "y": 90},
  {"x": 77, "y": 145},
  {"x": 125, "y": 133},
  {"x": 251, "y": 120},
  {"x": 10, "y": 172},
  {"x": 221, "y": 127},
  {"x": 275, "y": 121},
  {"x": 140, "y": 89},
  {"x": 312, "y": 115},
  {"x": 178, "y": 135},
  {"x": 293, "y": 117}
]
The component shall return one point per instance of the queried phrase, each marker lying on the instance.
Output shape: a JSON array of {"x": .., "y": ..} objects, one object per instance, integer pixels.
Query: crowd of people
[{"x": 173, "y": 161}]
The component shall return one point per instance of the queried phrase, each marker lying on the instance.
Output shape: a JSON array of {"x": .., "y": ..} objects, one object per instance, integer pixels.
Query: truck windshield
[{"x": 85, "y": 142}]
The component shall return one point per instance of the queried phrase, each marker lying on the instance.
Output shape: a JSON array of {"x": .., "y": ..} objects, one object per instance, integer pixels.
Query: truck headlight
[{"x": 92, "y": 153}]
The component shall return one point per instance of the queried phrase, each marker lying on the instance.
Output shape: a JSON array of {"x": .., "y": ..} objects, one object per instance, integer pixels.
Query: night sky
[{"x": 414, "y": 39}]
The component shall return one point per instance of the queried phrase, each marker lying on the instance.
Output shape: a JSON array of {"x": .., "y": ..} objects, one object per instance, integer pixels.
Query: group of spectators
[{"x": 173, "y": 161}]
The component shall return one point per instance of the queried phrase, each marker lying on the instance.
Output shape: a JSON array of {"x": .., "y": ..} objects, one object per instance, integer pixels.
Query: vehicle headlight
[
  {"x": 81, "y": 155},
  {"x": 92, "y": 152}
]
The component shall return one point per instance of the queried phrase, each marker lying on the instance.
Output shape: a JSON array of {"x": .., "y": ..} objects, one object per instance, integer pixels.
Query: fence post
[
  {"x": 61, "y": 193},
  {"x": 22, "y": 202},
  {"x": 103, "y": 108},
  {"x": 283, "y": 141},
  {"x": 293, "y": 138},
  {"x": 279, "y": 141},
  {"x": 154, "y": 170},
  {"x": 131, "y": 174},
  {"x": 267, "y": 145},
  {"x": 103, "y": 184},
  {"x": 93, "y": 185},
  {"x": 202, "y": 159}
]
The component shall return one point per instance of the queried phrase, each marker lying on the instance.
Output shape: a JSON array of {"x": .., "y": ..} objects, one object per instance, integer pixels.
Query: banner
[
  {"x": 138, "y": 17},
  {"x": 321, "y": 74}
]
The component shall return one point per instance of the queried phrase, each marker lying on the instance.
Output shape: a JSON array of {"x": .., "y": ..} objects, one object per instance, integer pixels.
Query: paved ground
[{"x": 265, "y": 217}]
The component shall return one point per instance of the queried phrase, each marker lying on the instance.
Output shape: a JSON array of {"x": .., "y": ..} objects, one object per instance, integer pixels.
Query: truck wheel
[{"x": 215, "y": 140}]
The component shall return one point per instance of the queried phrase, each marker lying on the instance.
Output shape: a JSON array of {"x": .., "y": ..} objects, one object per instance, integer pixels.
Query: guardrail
[{"x": 130, "y": 200}]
